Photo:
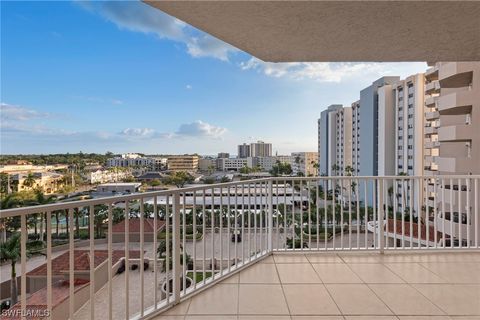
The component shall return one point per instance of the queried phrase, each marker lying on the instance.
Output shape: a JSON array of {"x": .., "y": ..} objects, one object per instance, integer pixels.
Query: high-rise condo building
[
  {"x": 453, "y": 92},
  {"x": 243, "y": 151},
  {"x": 260, "y": 149},
  {"x": 343, "y": 142},
  {"x": 326, "y": 139},
  {"x": 356, "y": 137}
]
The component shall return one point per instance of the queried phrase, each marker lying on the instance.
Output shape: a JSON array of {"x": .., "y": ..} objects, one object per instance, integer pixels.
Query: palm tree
[
  {"x": 29, "y": 181},
  {"x": 10, "y": 251}
]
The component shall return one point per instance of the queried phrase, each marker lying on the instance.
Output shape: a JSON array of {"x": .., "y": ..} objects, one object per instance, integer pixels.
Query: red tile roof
[
  {"x": 61, "y": 264},
  {"x": 37, "y": 302},
  {"x": 134, "y": 225},
  {"x": 407, "y": 232}
]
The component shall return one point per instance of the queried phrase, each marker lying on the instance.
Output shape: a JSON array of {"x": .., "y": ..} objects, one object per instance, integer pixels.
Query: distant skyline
[{"x": 124, "y": 77}]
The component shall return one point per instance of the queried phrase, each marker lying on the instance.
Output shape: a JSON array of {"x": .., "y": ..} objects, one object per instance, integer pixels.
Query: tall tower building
[
  {"x": 243, "y": 151},
  {"x": 326, "y": 139},
  {"x": 260, "y": 149},
  {"x": 457, "y": 106}
]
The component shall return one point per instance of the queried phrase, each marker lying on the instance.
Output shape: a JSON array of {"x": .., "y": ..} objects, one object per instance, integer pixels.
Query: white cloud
[
  {"x": 200, "y": 129},
  {"x": 140, "y": 17},
  {"x": 188, "y": 87},
  {"x": 10, "y": 112},
  {"x": 138, "y": 132},
  {"x": 331, "y": 71}
]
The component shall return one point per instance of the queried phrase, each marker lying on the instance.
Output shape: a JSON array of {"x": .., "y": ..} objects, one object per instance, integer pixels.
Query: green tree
[
  {"x": 179, "y": 179},
  {"x": 29, "y": 181},
  {"x": 10, "y": 252}
]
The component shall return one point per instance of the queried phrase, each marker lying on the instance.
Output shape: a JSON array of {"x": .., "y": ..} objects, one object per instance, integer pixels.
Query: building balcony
[
  {"x": 432, "y": 73},
  {"x": 432, "y": 144},
  {"x": 433, "y": 115},
  {"x": 251, "y": 249},
  {"x": 462, "y": 132},
  {"x": 430, "y": 130},
  {"x": 456, "y": 103},
  {"x": 432, "y": 87},
  {"x": 431, "y": 101},
  {"x": 455, "y": 75}
]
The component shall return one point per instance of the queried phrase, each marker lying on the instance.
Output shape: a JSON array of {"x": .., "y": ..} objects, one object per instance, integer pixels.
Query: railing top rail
[{"x": 136, "y": 196}]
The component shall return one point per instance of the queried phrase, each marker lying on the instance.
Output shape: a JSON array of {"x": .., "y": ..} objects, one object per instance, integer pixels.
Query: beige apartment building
[
  {"x": 453, "y": 108},
  {"x": 343, "y": 141},
  {"x": 183, "y": 163},
  {"x": 47, "y": 182},
  {"x": 305, "y": 163}
]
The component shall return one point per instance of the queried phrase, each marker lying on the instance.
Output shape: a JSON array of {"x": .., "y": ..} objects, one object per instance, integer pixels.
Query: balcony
[
  {"x": 456, "y": 103},
  {"x": 455, "y": 75},
  {"x": 432, "y": 87},
  {"x": 432, "y": 115},
  {"x": 264, "y": 247},
  {"x": 461, "y": 132},
  {"x": 431, "y": 101}
]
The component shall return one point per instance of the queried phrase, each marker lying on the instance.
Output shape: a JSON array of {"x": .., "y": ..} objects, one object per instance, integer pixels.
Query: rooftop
[{"x": 345, "y": 286}]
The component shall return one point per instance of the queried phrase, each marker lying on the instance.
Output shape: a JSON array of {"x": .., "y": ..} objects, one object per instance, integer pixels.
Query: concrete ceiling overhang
[{"x": 337, "y": 30}]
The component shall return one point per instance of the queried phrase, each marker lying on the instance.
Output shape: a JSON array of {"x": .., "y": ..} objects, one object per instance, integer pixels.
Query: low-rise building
[
  {"x": 123, "y": 187},
  {"x": 47, "y": 182},
  {"x": 109, "y": 175},
  {"x": 183, "y": 163}
]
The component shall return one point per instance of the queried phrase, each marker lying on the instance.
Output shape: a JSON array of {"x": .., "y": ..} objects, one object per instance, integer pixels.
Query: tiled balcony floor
[{"x": 344, "y": 286}]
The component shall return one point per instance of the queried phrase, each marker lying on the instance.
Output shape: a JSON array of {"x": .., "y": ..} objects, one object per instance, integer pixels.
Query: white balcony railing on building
[{"x": 162, "y": 247}]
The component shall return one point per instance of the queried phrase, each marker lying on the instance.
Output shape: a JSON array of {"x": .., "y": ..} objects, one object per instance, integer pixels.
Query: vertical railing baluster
[
  {"x": 285, "y": 216},
  {"x": 183, "y": 249},
  {"x": 334, "y": 205},
  {"x": 325, "y": 210},
  {"x": 357, "y": 183},
  {"x": 71, "y": 299},
  {"x": 235, "y": 215},
  {"x": 301, "y": 214},
  {"x": 459, "y": 195},
  {"x": 110, "y": 258},
  {"x": 249, "y": 224},
  {"x": 277, "y": 211},
  {"x": 23, "y": 263},
  {"x": 477, "y": 217},
  {"x": 381, "y": 217},
  {"x": 212, "y": 222},
  {"x": 168, "y": 256},
  {"x": 435, "y": 227},
  {"x": 410, "y": 204},
  {"x": 444, "y": 216},
  {"x": 255, "y": 220},
  {"x": 228, "y": 229},
  {"x": 419, "y": 211},
  {"x": 194, "y": 234},
  {"x": 92, "y": 263},
  {"x": 309, "y": 220},
  {"x": 49, "y": 263},
  {"x": 155, "y": 255},
  {"x": 243, "y": 223},
  {"x": 221, "y": 230},
  {"x": 176, "y": 251},
  {"x": 450, "y": 207},
  {"x": 467, "y": 182},
  {"x": 141, "y": 263},
  {"x": 204, "y": 230},
  {"x": 376, "y": 221},
  {"x": 270, "y": 216},
  {"x": 366, "y": 213},
  {"x": 260, "y": 213},
  {"x": 349, "y": 213},
  {"x": 127, "y": 258},
  {"x": 294, "y": 221},
  {"x": 317, "y": 204},
  {"x": 394, "y": 212}
]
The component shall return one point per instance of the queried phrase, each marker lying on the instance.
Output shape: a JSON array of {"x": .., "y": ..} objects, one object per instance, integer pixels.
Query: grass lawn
[{"x": 199, "y": 275}]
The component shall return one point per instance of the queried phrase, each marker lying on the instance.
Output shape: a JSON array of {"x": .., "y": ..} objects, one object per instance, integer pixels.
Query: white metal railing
[{"x": 198, "y": 235}]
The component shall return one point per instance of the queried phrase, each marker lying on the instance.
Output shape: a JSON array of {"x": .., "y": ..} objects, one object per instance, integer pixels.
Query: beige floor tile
[
  {"x": 323, "y": 258},
  {"x": 361, "y": 257},
  {"x": 162, "y": 317},
  {"x": 179, "y": 309},
  {"x": 357, "y": 299},
  {"x": 232, "y": 279},
  {"x": 464, "y": 272},
  {"x": 375, "y": 273},
  {"x": 425, "y": 318},
  {"x": 254, "y": 317},
  {"x": 449, "y": 257},
  {"x": 414, "y": 273},
  {"x": 260, "y": 273},
  {"x": 309, "y": 299},
  {"x": 290, "y": 258},
  {"x": 336, "y": 273},
  {"x": 297, "y": 273},
  {"x": 268, "y": 259},
  {"x": 219, "y": 299},
  {"x": 466, "y": 318},
  {"x": 317, "y": 318},
  {"x": 210, "y": 317},
  {"x": 371, "y": 317},
  {"x": 266, "y": 299},
  {"x": 453, "y": 299},
  {"x": 402, "y": 299}
]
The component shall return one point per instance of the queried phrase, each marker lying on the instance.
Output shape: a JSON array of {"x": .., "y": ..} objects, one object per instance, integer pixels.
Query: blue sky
[{"x": 124, "y": 77}]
